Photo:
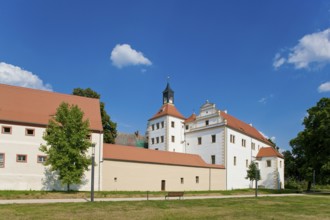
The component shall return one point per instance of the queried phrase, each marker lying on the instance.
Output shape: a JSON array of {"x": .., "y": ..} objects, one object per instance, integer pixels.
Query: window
[
  {"x": 253, "y": 146},
  {"x": 182, "y": 180},
  {"x": 157, "y": 126},
  {"x": 247, "y": 163},
  {"x": 232, "y": 139},
  {"x": 187, "y": 127},
  {"x": 199, "y": 140},
  {"x": 41, "y": 159},
  {"x": 206, "y": 122},
  {"x": 157, "y": 140},
  {"x": 213, "y": 159},
  {"x": 172, "y": 124},
  {"x": 156, "y": 148},
  {"x": 21, "y": 158},
  {"x": 152, "y": 140},
  {"x": 162, "y": 139},
  {"x": 173, "y": 139},
  {"x": 257, "y": 164},
  {"x": 243, "y": 142},
  {"x": 213, "y": 138},
  {"x": 269, "y": 163},
  {"x": 29, "y": 132},
  {"x": 2, "y": 160},
  {"x": 162, "y": 123},
  {"x": 152, "y": 127},
  {"x": 6, "y": 130},
  {"x": 234, "y": 161},
  {"x": 280, "y": 164},
  {"x": 115, "y": 179},
  {"x": 197, "y": 179}
]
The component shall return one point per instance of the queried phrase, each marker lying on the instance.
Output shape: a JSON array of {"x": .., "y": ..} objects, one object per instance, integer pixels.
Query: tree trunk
[
  {"x": 68, "y": 187},
  {"x": 309, "y": 186}
]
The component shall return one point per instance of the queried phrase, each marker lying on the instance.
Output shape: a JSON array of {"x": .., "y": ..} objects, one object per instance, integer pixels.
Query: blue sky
[{"x": 266, "y": 62}]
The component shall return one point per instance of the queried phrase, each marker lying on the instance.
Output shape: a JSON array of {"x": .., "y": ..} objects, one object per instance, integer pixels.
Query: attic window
[
  {"x": 29, "y": 132},
  {"x": 6, "y": 130}
]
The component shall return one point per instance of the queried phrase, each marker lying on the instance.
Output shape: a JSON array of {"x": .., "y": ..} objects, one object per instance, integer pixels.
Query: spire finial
[{"x": 168, "y": 79}]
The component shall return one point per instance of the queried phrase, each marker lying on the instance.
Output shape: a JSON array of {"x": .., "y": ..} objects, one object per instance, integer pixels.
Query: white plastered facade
[{"x": 31, "y": 174}]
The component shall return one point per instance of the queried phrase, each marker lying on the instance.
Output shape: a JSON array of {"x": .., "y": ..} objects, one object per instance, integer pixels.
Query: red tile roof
[
  {"x": 31, "y": 106},
  {"x": 269, "y": 152},
  {"x": 128, "y": 153},
  {"x": 243, "y": 127},
  {"x": 168, "y": 109},
  {"x": 191, "y": 118}
]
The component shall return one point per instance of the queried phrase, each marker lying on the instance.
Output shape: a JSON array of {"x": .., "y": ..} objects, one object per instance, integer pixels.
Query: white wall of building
[
  {"x": 244, "y": 156},
  {"x": 131, "y": 176},
  {"x": 155, "y": 134},
  {"x": 207, "y": 148},
  {"x": 31, "y": 175},
  {"x": 271, "y": 176}
]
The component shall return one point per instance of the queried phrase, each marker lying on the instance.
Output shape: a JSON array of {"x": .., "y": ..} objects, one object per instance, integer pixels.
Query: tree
[
  {"x": 67, "y": 144},
  {"x": 109, "y": 127},
  {"x": 312, "y": 145},
  {"x": 253, "y": 172}
]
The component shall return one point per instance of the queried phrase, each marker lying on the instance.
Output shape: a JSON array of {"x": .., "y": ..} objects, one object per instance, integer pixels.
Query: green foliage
[
  {"x": 311, "y": 147},
  {"x": 109, "y": 127},
  {"x": 67, "y": 144},
  {"x": 253, "y": 173}
]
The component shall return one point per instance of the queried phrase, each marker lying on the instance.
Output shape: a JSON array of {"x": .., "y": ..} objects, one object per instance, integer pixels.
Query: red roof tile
[
  {"x": 128, "y": 153},
  {"x": 168, "y": 109},
  {"x": 269, "y": 152},
  {"x": 243, "y": 127},
  {"x": 191, "y": 118},
  {"x": 24, "y": 105}
]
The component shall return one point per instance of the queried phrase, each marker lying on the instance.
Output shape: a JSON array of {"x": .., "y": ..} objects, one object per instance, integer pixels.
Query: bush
[{"x": 294, "y": 184}]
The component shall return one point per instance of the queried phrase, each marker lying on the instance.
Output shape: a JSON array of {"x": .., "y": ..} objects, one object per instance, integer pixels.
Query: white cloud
[
  {"x": 14, "y": 75},
  {"x": 264, "y": 100},
  {"x": 312, "y": 49},
  {"x": 123, "y": 55},
  {"x": 324, "y": 87},
  {"x": 278, "y": 61}
]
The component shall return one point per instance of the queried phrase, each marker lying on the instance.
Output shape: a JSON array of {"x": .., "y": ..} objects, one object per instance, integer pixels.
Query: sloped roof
[
  {"x": 269, "y": 152},
  {"x": 32, "y": 106},
  {"x": 191, "y": 118},
  {"x": 128, "y": 153},
  {"x": 243, "y": 127},
  {"x": 168, "y": 109},
  {"x": 129, "y": 139}
]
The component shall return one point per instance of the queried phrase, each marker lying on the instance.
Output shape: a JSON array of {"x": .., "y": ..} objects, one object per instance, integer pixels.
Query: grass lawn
[
  {"x": 8, "y": 194},
  {"x": 291, "y": 207}
]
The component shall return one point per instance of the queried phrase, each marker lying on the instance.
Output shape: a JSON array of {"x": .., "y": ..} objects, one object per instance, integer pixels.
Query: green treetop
[
  {"x": 109, "y": 127},
  {"x": 67, "y": 144},
  {"x": 312, "y": 145}
]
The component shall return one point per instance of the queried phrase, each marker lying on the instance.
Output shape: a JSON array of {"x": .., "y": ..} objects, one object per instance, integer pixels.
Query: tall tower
[
  {"x": 168, "y": 95},
  {"x": 165, "y": 128}
]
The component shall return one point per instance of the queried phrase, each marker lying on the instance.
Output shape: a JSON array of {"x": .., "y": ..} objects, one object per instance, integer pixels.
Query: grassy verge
[
  {"x": 303, "y": 207},
  {"x": 7, "y": 194}
]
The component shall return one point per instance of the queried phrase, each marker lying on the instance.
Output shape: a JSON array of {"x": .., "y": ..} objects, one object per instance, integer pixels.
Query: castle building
[
  {"x": 210, "y": 150},
  {"x": 219, "y": 138}
]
